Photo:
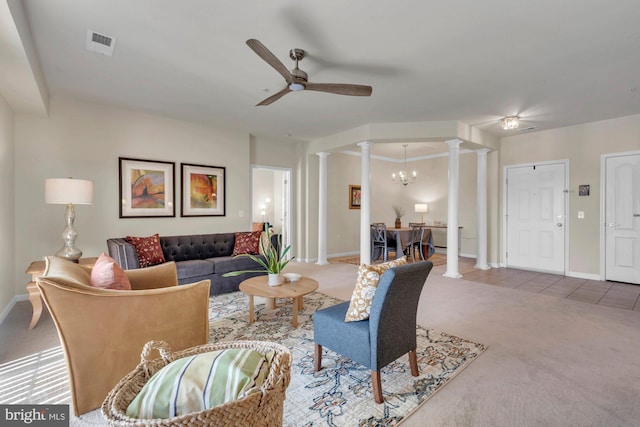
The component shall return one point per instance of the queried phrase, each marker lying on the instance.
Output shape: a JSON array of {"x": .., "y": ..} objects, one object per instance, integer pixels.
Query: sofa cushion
[
  {"x": 148, "y": 250},
  {"x": 107, "y": 274},
  {"x": 200, "y": 382},
  {"x": 193, "y": 268},
  {"x": 227, "y": 264},
  {"x": 247, "y": 243},
  {"x": 366, "y": 285},
  {"x": 197, "y": 246}
]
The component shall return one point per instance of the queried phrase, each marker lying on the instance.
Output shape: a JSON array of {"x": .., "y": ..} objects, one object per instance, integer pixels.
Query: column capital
[
  {"x": 364, "y": 144},
  {"x": 483, "y": 151},
  {"x": 322, "y": 154},
  {"x": 454, "y": 143}
]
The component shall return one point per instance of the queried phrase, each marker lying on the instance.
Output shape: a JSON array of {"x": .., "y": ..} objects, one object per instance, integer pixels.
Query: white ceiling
[{"x": 554, "y": 63}]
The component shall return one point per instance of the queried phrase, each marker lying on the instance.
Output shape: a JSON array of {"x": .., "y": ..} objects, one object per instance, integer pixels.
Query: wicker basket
[{"x": 257, "y": 409}]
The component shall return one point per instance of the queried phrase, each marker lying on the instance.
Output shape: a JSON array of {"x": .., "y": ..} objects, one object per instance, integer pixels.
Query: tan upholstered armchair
[{"x": 103, "y": 331}]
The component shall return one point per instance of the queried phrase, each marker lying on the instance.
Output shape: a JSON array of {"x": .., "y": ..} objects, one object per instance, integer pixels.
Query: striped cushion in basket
[{"x": 202, "y": 381}]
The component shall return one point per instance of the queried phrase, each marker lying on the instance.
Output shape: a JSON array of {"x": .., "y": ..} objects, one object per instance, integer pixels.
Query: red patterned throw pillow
[
  {"x": 247, "y": 243},
  {"x": 148, "y": 249}
]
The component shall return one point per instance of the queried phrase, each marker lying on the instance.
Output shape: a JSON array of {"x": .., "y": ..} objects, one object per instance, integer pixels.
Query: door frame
[
  {"x": 287, "y": 205},
  {"x": 505, "y": 189},
  {"x": 603, "y": 199}
]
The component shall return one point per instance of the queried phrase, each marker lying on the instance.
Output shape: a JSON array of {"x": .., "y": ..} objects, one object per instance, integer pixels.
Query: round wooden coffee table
[{"x": 257, "y": 286}]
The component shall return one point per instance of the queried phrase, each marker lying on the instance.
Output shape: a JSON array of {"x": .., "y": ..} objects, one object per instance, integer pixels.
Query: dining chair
[
  {"x": 379, "y": 241},
  {"x": 415, "y": 241}
]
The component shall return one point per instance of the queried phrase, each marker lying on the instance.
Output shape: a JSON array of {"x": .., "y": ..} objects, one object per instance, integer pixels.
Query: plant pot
[
  {"x": 398, "y": 223},
  {"x": 275, "y": 279}
]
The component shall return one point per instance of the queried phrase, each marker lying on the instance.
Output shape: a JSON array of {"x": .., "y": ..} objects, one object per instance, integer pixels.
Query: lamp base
[
  {"x": 69, "y": 250},
  {"x": 72, "y": 254}
]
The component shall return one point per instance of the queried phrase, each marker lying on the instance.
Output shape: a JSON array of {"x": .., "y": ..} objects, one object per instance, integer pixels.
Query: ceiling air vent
[
  {"x": 529, "y": 129},
  {"x": 100, "y": 43}
]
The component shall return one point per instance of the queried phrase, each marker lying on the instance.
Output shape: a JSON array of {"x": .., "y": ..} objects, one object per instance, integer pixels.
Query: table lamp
[
  {"x": 421, "y": 208},
  {"x": 70, "y": 192}
]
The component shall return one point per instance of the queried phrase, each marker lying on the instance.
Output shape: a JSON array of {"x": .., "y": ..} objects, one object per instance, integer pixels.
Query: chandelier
[{"x": 403, "y": 176}]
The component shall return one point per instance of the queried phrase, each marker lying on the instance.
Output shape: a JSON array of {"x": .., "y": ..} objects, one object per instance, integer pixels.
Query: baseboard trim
[
  {"x": 12, "y": 303},
  {"x": 587, "y": 276}
]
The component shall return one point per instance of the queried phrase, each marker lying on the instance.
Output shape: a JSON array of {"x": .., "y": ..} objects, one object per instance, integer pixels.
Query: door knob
[
  {"x": 613, "y": 225},
  {"x": 559, "y": 224}
]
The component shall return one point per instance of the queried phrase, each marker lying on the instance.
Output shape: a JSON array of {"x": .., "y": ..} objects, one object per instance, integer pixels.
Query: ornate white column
[
  {"x": 481, "y": 251},
  {"x": 365, "y": 202},
  {"x": 322, "y": 209},
  {"x": 452, "y": 209}
]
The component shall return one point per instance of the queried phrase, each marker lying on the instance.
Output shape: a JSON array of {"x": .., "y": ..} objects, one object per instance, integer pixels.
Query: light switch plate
[{"x": 581, "y": 214}]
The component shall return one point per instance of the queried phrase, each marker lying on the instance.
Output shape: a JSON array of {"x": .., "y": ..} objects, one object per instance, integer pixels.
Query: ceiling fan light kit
[
  {"x": 510, "y": 122},
  {"x": 297, "y": 79}
]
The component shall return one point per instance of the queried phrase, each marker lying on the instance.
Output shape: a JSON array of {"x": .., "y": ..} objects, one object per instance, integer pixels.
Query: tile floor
[{"x": 611, "y": 294}]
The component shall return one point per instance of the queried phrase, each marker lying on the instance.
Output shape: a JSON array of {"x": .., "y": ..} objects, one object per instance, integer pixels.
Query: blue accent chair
[{"x": 390, "y": 331}]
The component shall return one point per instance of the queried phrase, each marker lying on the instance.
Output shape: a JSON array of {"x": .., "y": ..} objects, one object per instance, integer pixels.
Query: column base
[{"x": 453, "y": 275}]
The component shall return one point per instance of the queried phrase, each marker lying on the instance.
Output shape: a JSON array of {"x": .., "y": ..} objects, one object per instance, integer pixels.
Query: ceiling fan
[{"x": 297, "y": 79}]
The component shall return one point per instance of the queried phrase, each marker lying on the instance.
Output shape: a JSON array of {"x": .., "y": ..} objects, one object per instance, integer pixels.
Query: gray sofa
[{"x": 197, "y": 257}]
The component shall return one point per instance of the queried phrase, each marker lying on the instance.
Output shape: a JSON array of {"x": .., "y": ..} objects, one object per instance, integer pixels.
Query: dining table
[{"x": 402, "y": 237}]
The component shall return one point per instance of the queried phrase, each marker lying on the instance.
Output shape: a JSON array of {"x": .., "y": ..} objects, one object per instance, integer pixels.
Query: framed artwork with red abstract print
[{"x": 203, "y": 190}]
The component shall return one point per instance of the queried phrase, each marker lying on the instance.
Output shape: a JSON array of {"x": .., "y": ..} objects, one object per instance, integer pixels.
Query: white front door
[
  {"x": 622, "y": 218},
  {"x": 536, "y": 217}
]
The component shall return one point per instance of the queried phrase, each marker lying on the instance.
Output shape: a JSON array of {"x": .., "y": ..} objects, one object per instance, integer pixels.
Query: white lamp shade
[
  {"x": 63, "y": 191},
  {"x": 421, "y": 207}
]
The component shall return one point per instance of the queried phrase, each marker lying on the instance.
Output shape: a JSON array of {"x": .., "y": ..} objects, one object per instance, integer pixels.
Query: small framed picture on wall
[
  {"x": 583, "y": 190},
  {"x": 354, "y": 197}
]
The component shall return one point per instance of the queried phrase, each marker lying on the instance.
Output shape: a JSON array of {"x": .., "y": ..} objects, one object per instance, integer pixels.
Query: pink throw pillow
[
  {"x": 247, "y": 243},
  {"x": 148, "y": 249},
  {"x": 107, "y": 274}
]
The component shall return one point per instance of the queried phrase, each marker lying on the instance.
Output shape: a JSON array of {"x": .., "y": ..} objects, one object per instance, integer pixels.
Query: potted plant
[
  {"x": 399, "y": 214},
  {"x": 273, "y": 262}
]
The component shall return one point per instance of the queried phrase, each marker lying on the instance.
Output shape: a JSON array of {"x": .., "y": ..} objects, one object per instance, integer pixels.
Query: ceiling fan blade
[
  {"x": 269, "y": 58},
  {"x": 339, "y": 88},
  {"x": 275, "y": 96}
]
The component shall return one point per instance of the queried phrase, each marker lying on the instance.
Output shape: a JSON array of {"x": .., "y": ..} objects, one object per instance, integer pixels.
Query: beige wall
[
  {"x": 85, "y": 140},
  {"x": 7, "y": 218},
  {"x": 583, "y": 146}
]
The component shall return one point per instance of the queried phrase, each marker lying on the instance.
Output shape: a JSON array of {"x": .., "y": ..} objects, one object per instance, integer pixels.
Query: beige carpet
[
  {"x": 436, "y": 259},
  {"x": 550, "y": 361}
]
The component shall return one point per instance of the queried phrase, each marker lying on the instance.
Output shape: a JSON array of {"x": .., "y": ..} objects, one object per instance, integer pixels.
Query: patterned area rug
[
  {"x": 436, "y": 259},
  {"x": 340, "y": 394}
]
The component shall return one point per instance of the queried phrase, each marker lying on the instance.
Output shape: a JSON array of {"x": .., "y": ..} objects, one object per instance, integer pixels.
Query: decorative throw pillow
[
  {"x": 264, "y": 242},
  {"x": 107, "y": 274},
  {"x": 200, "y": 382},
  {"x": 366, "y": 285},
  {"x": 247, "y": 243},
  {"x": 148, "y": 249},
  {"x": 257, "y": 226}
]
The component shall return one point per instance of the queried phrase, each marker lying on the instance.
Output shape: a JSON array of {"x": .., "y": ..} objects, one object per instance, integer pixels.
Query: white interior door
[
  {"x": 536, "y": 217},
  {"x": 622, "y": 218}
]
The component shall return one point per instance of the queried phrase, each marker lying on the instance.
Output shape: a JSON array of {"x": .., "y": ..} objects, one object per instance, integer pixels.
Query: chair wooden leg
[
  {"x": 318, "y": 358},
  {"x": 377, "y": 386},
  {"x": 413, "y": 362}
]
